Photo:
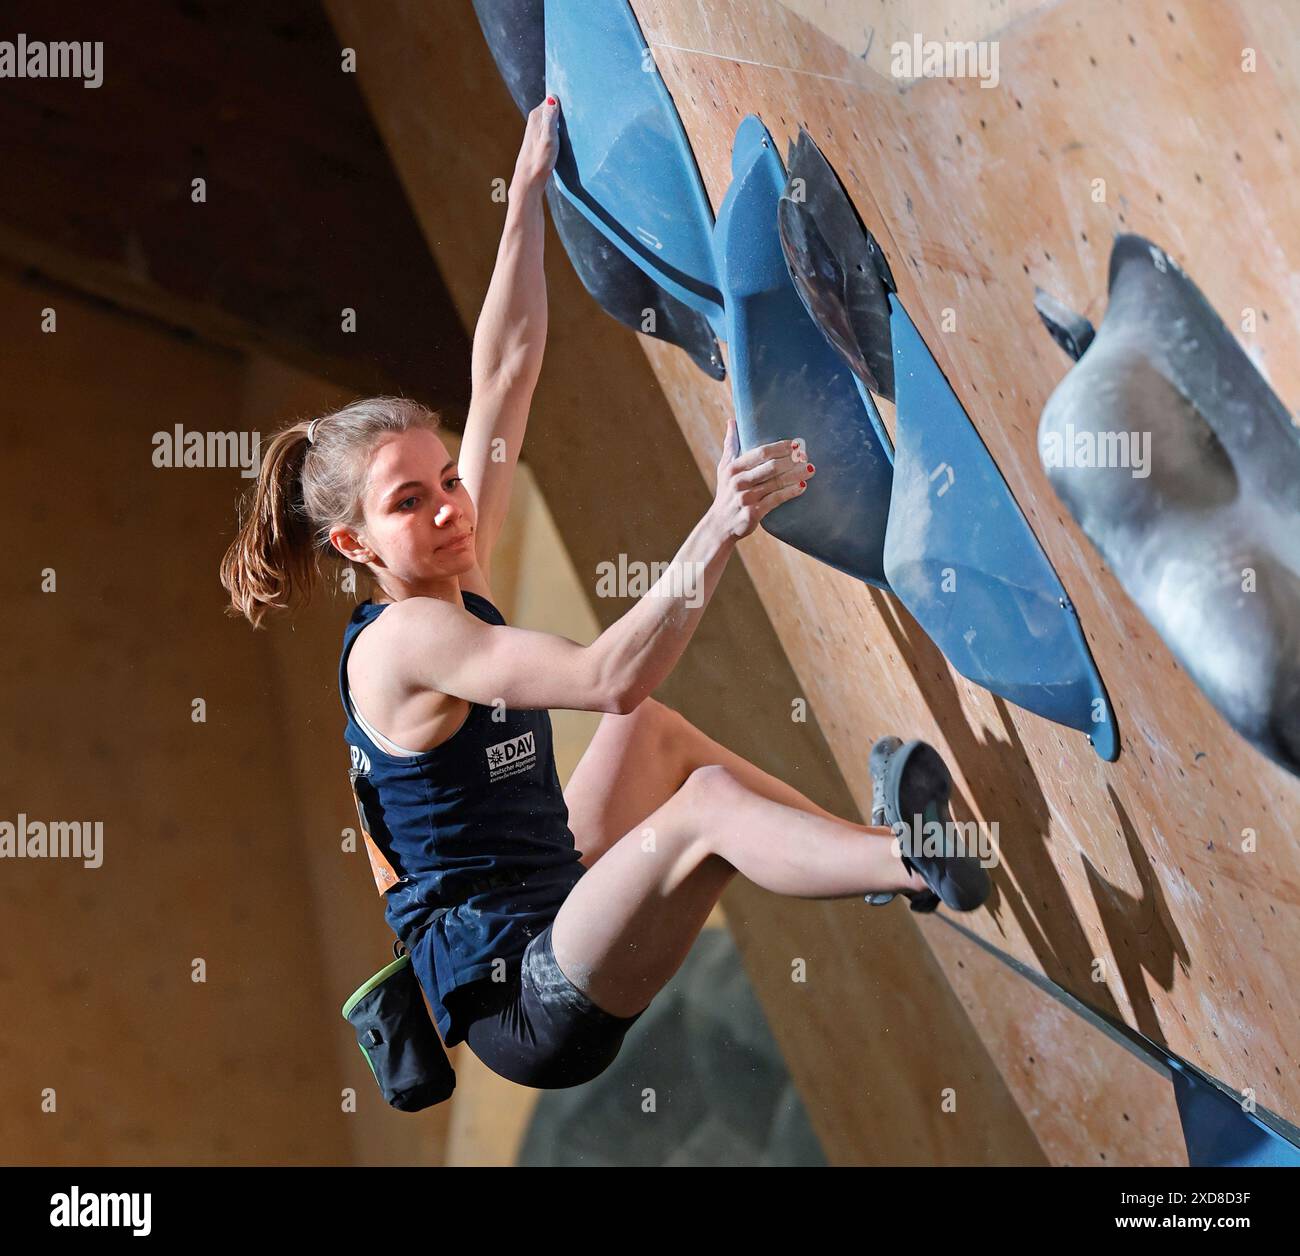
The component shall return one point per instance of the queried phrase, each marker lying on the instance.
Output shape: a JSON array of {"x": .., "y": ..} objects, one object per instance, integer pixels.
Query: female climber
[{"x": 542, "y": 922}]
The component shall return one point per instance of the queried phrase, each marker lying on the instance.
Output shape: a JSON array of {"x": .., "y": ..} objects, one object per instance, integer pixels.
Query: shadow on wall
[
  {"x": 721, "y": 1090},
  {"x": 1003, "y": 785}
]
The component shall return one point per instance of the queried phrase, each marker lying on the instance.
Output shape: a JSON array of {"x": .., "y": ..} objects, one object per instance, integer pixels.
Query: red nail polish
[
  {"x": 550, "y": 100},
  {"x": 811, "y": 467},
  {"x": 802, "y": 484}
]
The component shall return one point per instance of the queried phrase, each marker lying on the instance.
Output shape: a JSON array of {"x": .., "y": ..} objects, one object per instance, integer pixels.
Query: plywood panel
[
  {"x": 1104, "y": 1106},
  {"x": 977, "y": 195}
]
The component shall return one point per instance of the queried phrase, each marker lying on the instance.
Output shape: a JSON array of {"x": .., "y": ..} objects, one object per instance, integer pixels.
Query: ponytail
[
  {"x": 271, "y": 563},
  {"x": 304, "y": 488}
]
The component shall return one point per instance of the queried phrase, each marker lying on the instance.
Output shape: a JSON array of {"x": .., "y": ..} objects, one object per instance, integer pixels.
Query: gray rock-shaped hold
[{"x": 1182, "y": 466}]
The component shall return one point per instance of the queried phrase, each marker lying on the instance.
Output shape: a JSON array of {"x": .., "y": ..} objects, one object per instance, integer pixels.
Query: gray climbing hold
[{"x": 1182, "y": 466}]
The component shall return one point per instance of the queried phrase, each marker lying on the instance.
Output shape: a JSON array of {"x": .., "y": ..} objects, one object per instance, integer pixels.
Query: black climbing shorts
[{"x": 539, "y": 1029}]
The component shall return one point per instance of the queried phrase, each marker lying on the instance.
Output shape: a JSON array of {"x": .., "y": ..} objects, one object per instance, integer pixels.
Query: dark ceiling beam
[{"x": 304, "y": 216}]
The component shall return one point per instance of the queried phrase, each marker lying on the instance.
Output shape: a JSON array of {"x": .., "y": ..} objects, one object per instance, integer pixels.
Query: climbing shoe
[{"x": 910, "y": 790}]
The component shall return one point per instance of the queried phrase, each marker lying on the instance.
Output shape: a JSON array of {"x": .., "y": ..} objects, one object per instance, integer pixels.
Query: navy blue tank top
[{"x": 469, "y": 841}]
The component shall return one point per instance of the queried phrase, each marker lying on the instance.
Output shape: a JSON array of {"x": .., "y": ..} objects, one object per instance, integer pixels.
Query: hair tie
[{"x": 311, "y": 431}]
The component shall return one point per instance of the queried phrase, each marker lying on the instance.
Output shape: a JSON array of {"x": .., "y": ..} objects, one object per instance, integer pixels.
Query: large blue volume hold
[
  {"x": 516, "y": 35},
  {"x": 787, "y": 380},
  {"x": 1220, "y": 1132},
  {"x": 625, "y": 162},
  {"x": 958, "y": 553},
  {"x": 933, "y": 521},
  {"x": 962, "y": 558}
]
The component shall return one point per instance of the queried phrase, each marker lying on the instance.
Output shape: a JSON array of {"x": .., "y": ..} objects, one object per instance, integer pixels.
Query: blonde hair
[{"x": 304, "y": 489}]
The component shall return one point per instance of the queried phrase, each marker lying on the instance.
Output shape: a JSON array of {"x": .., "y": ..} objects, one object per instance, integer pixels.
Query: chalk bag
[{"x": 398, "y": 1038}]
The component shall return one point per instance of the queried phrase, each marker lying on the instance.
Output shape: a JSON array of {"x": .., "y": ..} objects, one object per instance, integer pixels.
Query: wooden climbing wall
[{"x": 1128, "y": 883}]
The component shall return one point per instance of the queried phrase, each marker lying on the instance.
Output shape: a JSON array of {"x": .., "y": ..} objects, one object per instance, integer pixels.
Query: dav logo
[{"x": 507, "y": 758}]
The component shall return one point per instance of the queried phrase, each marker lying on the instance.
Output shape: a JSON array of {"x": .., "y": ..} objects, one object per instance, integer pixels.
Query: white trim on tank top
[
  {"x": 377, "y": 737},
  {"x": 372, "y": 732}
]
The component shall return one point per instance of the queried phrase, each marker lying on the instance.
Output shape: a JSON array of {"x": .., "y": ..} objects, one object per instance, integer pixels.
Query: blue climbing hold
[
  {"x": 962, "y": 558},
  {"x": 958, "y": 553},
  {"x": 788, "y": 381},
  {"x": 625, "y": 162}
]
